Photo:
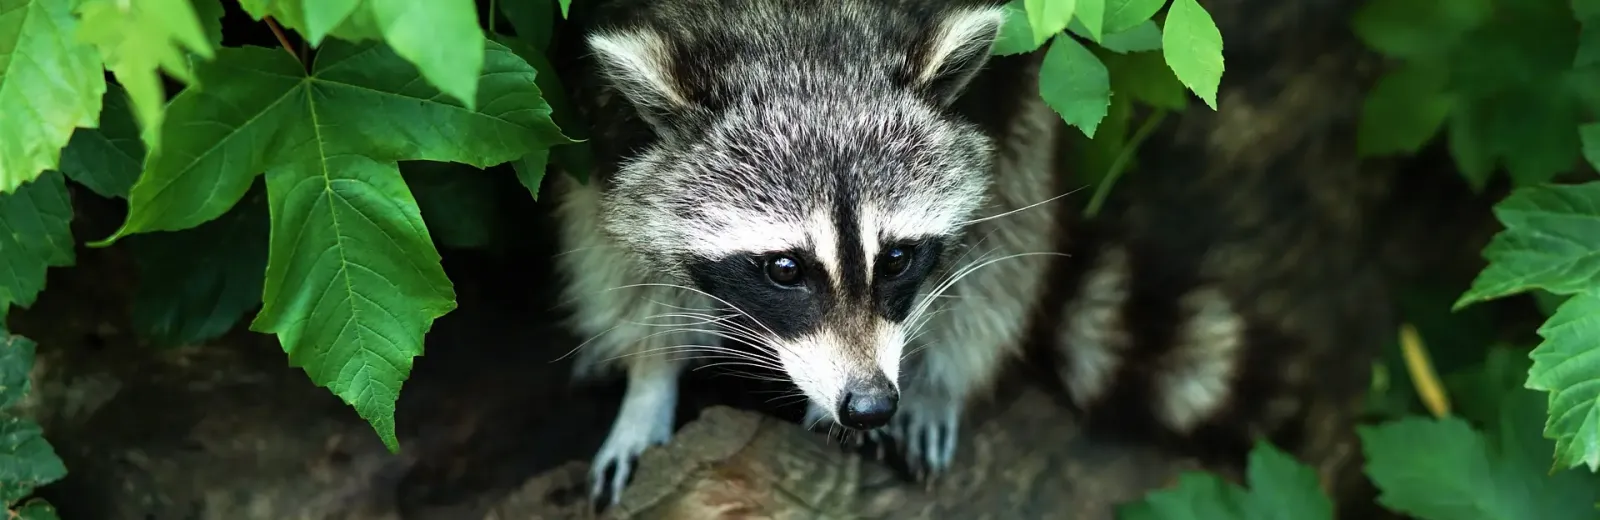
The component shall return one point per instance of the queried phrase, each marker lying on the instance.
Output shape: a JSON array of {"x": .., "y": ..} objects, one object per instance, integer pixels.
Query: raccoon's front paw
[
  {"x": 614, "y": 464},
  {"x": 924, "y": 432}
]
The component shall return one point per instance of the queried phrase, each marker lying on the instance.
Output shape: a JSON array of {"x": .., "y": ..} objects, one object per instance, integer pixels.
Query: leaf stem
[
  {"x": 283, "y": 40},
  {"x": 1120, "y": 164},
  {"x": 492, "y": 13}
]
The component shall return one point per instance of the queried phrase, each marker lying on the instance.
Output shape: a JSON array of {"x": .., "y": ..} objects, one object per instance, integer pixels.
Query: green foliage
[
  {"x": 27, "y": 461},
  {"x": 1280, "y": 488},
  {"x": 50, "y": 83},
  {"x": 137, "y": 37},
  {"x": 1076, "y": 83},
  {"x": 1193, "y": 48},
  {"x": 36, "y": 237},
  {"x": 1507, "y": 79},
  {"x": 195, "y": 284}
]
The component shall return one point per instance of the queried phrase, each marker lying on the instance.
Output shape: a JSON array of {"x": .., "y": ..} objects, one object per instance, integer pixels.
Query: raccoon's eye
[
  {"x": 897, "y": 259},
  {"x": 783, "y": 270}
]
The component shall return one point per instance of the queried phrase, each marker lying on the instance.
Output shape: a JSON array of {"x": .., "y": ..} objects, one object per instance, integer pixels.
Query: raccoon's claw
[
  {"x": 925, "y": 437},
  {"x": 636, "y": 429}
]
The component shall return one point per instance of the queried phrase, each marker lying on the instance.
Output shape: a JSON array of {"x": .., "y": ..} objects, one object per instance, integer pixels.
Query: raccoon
[{"x": 819, "y": 179}]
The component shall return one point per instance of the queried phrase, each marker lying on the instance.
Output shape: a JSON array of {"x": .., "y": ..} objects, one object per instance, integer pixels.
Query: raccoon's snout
[{"x": 868, "y": 403}]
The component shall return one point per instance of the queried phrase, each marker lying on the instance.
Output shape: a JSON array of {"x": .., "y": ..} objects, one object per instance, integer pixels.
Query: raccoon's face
[{"x": 815, "y": 196}]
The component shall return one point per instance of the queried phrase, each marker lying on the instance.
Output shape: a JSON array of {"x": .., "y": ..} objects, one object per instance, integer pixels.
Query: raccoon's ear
[
  {"x": 638, "y": 62},
  {"x": 955, "y": 51}
]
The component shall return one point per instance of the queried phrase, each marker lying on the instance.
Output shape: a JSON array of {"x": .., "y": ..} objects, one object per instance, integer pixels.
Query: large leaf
[
  {"x": 1567, "y": 364},
  {"x": 1404, "y": 110},
  {"x": 1281, "y": 488},
  {"x": 140, "y": 38},
  {"x": 1048, "y": 17},
  {"x": 195, "y": 284},
  {"x": 1192, "y": 46},
  {"x": 222, "y": 136},
  {"x": 1075, "y": 84},
  {"x": 50, "y": 83},
  {"x": 1551, "y": 241},
  {"x": 1143, "y": 37},
  {"x": 106, "y": 159},
  {"x": 1443, "y": 469},
  {"x": 35, "y": 235},
  {"x": 1144, "y": 76},
  {"x": 352, "y": 279},
  {"x": 1122, "y": 15}
]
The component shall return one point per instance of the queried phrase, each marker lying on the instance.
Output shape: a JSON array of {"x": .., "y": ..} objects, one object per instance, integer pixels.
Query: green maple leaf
[
  {"x": 50, "y": 83},
  {"x": 1551, "y": 241},
  {"x": 1075, "y": 84},
  {"x": 196, "y": 283},
  {"x": 16, "y": 361},
  {"x": 1281, "y": 488},
  {"x": 141, "y": 38},
  {"x": 352, "y": 280},
  {"x": 441, "y": 37},
  {"x": 1192, "y": 46},
  {"x": 34, "y": 236},
  {"x": 1443, "y": 469},
  {"x": 106, "y": 159}
]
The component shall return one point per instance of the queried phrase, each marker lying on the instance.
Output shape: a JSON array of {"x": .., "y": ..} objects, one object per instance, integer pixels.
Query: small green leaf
[
  {"x": 27, "y": 461},
  {"x": 210, "y": 13},
  {"x": 196, "y": 283},
  {"x": 138, "y": 37},
  {"x": 1122, "y": 15},
  {"x": 1048, "y": 17},
  {"x": 16, "y": 363},
  {"x": 1143, "y": 37},
  {"x": 565, "y": 5},
  {"x": 1144, "y": 76},
  {"x": 1404, "y": 110},
  {"x": 1092, "y": 14},
  {"x": 49, "y": 84},
  {"x": 1474, "y": 153},
  {"x": 37, "y": 509},
  {"x": 530, "y": 171},
  {"x": 107, "y": 159},
  {"x": 1551, "y": 241},
  {"x": 1417, "y": 28},
  {"x": 1016, "y": 34},
  {"x": 1198, "y": 496},
  {"x": 1192, "y": 46},
  {"x": 1533, "y": 128},
  {"x": 1590, "y": 135},
  {"x": 37, "y": 236},
  {"x": 322, "y": 16},
  {"x": 441, "y": 37},
  {"x": 1075, "y": 84}
]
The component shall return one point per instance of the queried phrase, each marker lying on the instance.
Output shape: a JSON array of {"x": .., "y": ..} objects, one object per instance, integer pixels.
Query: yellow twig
[{"x": 1422, "y": 374}]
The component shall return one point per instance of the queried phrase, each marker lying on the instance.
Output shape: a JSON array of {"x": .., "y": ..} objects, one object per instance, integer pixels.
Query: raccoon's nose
[{"x": 869, "y": 403}]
